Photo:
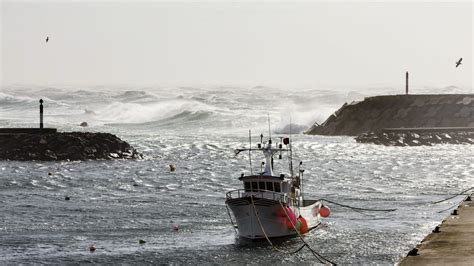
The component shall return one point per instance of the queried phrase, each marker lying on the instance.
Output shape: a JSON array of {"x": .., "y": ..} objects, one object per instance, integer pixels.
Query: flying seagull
[
  {"x": 458, "y": 62},
  {"x": 47, "y": 39}
]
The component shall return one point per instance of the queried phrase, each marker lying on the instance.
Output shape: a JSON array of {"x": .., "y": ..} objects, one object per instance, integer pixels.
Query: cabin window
[
  {"x": 277, "y": 187},
  {"x": 270, "y": 186},
  {"x": 261, "y": 185},
  {"x": 247, "y": 186},
  {"x": 254, "y": 186}
]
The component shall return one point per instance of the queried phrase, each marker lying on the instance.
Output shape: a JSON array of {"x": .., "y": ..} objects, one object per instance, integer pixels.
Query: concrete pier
[
  {"x": 399, "y": 111},
  {"x": 452, "y": 244}
]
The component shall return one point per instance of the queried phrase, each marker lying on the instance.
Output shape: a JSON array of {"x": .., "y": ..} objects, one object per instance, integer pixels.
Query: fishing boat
[{"x": 270, "y": 205}]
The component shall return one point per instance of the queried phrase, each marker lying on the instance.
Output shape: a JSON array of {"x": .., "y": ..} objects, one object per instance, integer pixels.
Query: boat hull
[{"x": 267, "y": 218}]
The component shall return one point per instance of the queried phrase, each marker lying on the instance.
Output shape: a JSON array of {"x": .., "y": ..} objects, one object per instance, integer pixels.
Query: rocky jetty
[
  {"x": 399, "y": 111},
  {"x": 53, "y": 146},
  {"x": 417, "y": 137}
]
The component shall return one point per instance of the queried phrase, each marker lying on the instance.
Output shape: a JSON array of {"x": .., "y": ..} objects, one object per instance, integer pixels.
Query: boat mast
[
  {"x": 291, "y": 153},
  {"x": 269, "y": 131},
  {"x": 250, "y": 149}
]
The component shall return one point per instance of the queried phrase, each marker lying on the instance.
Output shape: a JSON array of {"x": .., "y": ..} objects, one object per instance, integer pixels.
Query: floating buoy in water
[
  {"x": 304, "y": 225},
  {"x": 50, "y": 173},
  {"x": 92, "y": 248},
  {"x": 175, "y": 227},
  {"x": 172, "y": 167},
  {"x": 141, "y": 241},
  {"x": 67, "y": 198},
  {"x": 298, "y": 225},
  {"x": 324, "y": 211}
]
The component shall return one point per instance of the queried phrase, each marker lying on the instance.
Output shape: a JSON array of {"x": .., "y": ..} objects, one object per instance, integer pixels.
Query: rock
[
  {"x": 51, "y": 155},
  {"x": 426, "y": 138},
  {"x": 64, "y": 146},
  {"x": 172, "y": 167}
]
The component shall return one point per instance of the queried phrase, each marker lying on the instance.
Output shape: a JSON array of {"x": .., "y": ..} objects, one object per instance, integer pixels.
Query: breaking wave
[{"x": 168, "y": 110}]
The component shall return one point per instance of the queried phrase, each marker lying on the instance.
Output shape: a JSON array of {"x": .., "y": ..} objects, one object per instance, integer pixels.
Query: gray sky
[{"x": 241, "y": 43}]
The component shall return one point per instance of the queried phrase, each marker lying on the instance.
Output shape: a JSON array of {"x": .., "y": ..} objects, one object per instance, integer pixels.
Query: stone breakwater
[
  {"x": 399, "y": 111},
  {"x": 64, "y": 146},
  {"x": 417, "y": 138}
]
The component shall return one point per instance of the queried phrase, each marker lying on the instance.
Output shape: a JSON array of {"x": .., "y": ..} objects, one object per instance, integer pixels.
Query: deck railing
[{"x": 266, "y": 194}]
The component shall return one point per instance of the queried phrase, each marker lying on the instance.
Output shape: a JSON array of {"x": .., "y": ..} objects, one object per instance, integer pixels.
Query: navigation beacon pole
[
  {"x": 406, "y": 83},
  {"x": 41, "y": 113}
]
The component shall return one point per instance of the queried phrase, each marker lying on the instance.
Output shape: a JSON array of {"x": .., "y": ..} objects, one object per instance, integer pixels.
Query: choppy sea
[{"x": 114, "y": 204}]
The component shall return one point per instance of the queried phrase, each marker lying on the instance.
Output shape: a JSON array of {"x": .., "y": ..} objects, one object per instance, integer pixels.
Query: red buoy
[
  {"x": 304, "y": 225},
  {"x": 324, "y": 211},
  {"x": 289, "y": 220},
  {"x": 92, "y": 248},
  {"x": 292, "y": 221},
  {"x": 286, "y": 141}
]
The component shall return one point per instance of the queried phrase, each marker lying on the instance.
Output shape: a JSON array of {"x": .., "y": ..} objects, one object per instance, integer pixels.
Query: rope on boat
[
  {"x": 231, "y": 221},
  {"x": 360, "y": 209},
  {"x": 268, "y": 239},
  {"x": 391, "y": 210},
  {"x": 452, "y": 197},
  {"x": 316, "y": 255}
]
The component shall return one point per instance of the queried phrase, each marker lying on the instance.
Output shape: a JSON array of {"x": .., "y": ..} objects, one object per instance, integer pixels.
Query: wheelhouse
[{"x": 258, "y": 183}]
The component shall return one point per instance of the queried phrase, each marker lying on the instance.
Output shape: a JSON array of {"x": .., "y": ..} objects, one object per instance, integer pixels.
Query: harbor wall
[
  {"x": 450, "y": 243},
  {"x": 374, "y": 114}
]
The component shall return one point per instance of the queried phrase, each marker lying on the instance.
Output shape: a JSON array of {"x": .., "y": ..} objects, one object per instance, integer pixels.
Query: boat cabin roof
[{"x": 262, "y": 177}]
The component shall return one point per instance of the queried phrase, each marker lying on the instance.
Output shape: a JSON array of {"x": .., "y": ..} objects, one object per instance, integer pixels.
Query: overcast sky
[{"x": 242, "y": 43}]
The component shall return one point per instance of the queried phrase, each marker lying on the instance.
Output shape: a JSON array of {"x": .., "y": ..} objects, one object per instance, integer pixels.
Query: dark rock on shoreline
[
  {"x": 64, "y": 146},
  {"x": 410, "y": 138}
]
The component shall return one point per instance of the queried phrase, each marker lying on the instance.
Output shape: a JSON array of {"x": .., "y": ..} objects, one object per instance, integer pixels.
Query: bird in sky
[
  {"x": 47, "y": 39},
  {"x": 458, "y": 62}
]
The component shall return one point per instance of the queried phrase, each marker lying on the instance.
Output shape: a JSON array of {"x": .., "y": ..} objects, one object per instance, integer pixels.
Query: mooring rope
[
  {"x": 452, "y": 197},
  {"x": 268, "y": 239},
  {"x": 457, "y": 204},
  {"x": 360, "y": 209},
  {"x": 231, "y": 221},
  {"x": 316, "y": 254},
  {"x": 454, "y": 206}
]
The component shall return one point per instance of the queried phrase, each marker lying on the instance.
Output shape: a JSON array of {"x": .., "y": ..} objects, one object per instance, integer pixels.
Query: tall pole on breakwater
[
  {"x": 41, "y": 113},
  {"x": 406, "y": 83}
]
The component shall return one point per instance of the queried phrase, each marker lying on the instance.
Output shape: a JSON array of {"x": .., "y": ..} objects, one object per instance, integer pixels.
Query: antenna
[
  {"x": 250, "y": 157},
  {"x": 291, "y": 153},
  {"x": 269, "y": 132},
  {"x": 301, "y": 177}
]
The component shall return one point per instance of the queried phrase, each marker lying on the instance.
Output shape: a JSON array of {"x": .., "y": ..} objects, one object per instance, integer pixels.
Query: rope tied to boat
[
  {"x": 266, "y": 236},
  {"x": 320, "y": 258},
  {"x": 316, "y": 254},
  {"x": 358, "y": 208},
  {"x": 230, "y": 217},
  {"x": 452, "y": 197}
]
